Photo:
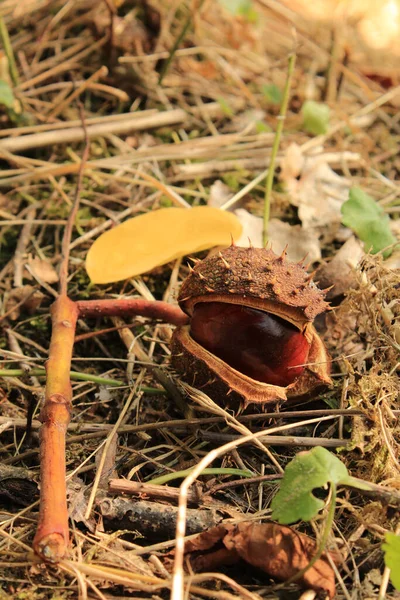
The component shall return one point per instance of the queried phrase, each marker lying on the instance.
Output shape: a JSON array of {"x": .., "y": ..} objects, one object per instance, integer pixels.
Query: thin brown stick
[
  {"x": 100, "y": 73},
  {"x": 152, "y": 519},
  {"x": 102, "y": 427},
  {"x": 71, "y": 219},
  {"x": 23, "y": 241},
  {"x": 148, "y": 490},
  {"x": 238, "y": 482},
  {"x": 15, "y": 307},
  {"x": 98, "y": 332},
  {"x": 75, "y": 134},
  {"x": 278, "y": 440}
]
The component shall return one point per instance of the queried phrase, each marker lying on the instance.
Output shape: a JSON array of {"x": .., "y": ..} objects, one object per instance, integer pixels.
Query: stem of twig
[
  {"x": 71, "y": 219},
  {"x": 51, "y": 539},
  {"x": 275, "y": 147},
  {"x": 177, "y": 42}
]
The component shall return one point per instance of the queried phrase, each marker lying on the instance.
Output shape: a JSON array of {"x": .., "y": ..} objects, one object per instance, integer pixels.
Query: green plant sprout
[
  {"x": 212, "y": 471},
  {"x": 315, "y": 117}
]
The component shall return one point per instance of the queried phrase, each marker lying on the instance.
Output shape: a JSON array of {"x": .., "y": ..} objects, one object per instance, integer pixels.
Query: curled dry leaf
[
  {"x": 341, "y": 271},
  {"x": 129, "y": 32},
  {"x": 277, "y": 550},
  {"x": 43, "y": 270},
  {"x": 299, "y": 242},
  {"x": 27, "y": 297},
  {"x": 157, "y": 237},
  {"x": 393, "y": 262},
  {"x": 77, "y": 501}
]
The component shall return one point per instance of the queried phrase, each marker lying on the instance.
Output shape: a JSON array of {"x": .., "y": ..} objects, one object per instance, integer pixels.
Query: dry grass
[{"x": 208, "y": 120}]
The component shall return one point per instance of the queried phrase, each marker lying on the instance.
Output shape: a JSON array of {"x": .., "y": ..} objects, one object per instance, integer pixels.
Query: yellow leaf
[{"x": 157, "y": 237}]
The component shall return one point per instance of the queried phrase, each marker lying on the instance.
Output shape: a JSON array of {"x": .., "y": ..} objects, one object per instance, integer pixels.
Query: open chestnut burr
[{"x": 251, "y": 333}]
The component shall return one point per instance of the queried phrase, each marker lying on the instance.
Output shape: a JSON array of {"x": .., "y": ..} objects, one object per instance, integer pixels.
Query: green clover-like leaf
[
  {"x": 368, "y": 221},
  {"x": 306, "y": 472},
  {"x": 243, "y": 8},
  {"x": 391, "y": 549},
  {"x": 315, "y": 117},
  {"x": 272, "y": 93}
]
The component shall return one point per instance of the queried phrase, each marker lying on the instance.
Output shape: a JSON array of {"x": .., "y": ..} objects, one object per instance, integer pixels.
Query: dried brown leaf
[
  {"x": 43, "y": 270},
  {"x": 282, "y": 553},
  {"x": 78, "y": 503},
  {"x": 340, "y": 272},
  {"x": 277, "y": 550},
  {"x": 26, "y": 297},
  {"x": 206, "y": 540},
  {"x": 219, "y": 194},
  {"x": 315, "y": 189},
  {"x": 299, "y": 241}
]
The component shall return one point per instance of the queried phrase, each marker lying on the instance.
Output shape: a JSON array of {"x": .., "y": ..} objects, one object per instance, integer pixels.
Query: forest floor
[{"x": 181, "y": 103}]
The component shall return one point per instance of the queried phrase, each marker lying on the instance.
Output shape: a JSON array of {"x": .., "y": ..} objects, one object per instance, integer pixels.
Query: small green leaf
[
  {"x": 242, "y": 8},
  {"x": 307, "y": 471},
  {"x": 368, "y": 220},
  {"x": 272, "y": 93},
  {"x": 262, "y": 127},
  {"x": 392, "y": 557},
  {"x": 315, "y": 117},
  {"x": 226, "y": 109},
  {"x": 233, "y": 6},
  {"x": 6, "y": 95}
]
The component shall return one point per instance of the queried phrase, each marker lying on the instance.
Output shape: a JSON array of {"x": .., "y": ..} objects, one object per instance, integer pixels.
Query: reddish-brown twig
[
  {"x": 125, "y": 307},
  {"x": 51, "y": 539}
]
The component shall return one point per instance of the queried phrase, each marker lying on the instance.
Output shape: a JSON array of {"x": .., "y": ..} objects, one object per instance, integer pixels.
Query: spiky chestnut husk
[{"x": 258, "y": 279}]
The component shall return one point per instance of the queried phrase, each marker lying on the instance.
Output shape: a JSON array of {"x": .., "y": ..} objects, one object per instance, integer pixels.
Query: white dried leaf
[
  {"x": 299, "y": 241},
  {"x": 315, "y": 189},
  {"x": 219, "y": 194},
  {"x": 252, "y": 228},
  {"x": 103, "y": 395}
]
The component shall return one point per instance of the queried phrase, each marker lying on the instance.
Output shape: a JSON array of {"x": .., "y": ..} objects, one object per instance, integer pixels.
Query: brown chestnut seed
[
  {"x": 259, "y": 345},
  {"x": 251, "y": 334}
]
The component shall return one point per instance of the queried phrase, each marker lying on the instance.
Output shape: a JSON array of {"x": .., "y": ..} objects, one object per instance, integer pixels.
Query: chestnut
[{"x": 251, "y": 333}]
